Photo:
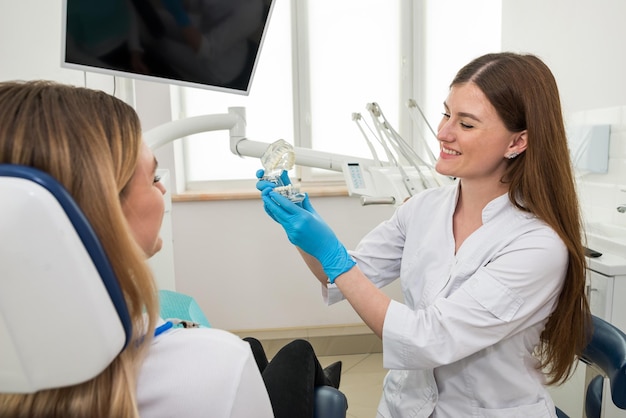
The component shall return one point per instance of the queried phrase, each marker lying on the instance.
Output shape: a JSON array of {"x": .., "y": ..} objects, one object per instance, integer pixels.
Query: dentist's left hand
[
  {"x": 262, "y": 185},
  {"x": 308, "y": 231}
]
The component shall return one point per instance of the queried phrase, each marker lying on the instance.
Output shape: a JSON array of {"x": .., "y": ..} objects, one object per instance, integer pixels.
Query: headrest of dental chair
[{"x": 63, "y": 317}]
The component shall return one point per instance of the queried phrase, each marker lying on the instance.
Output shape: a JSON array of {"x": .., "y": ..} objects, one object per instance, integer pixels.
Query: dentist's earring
[{"x": 512, "y": 155}]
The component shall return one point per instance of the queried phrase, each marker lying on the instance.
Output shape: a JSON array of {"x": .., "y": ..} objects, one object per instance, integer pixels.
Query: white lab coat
[
  {"x": 461, "y": 344},
  {"x": 199, "y": 373}
]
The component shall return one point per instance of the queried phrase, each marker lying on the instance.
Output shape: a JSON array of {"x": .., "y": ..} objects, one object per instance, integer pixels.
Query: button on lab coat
[{"x": 461, "y": 344}]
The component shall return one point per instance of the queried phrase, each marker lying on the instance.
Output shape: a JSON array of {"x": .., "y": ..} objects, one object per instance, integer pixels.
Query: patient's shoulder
[
  {"x": 198, "y": 341},
  {"x": 194, "y": 370}
]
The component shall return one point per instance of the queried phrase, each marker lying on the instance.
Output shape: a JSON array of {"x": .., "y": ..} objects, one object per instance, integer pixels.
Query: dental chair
[
  {"x": 606, "y": 352},
  {"x": 63, "y": 317}
]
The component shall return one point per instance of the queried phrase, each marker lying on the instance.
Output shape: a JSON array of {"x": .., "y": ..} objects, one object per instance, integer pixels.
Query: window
[
  {"x": 324, "y": 60},
  {"x": 349, "y": 56},
  {"x": 269, "y": 111}
]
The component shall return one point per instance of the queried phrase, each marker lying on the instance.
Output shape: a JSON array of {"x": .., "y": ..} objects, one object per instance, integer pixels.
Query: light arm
[
  {"x": 235, "y": 122},
  {"x": 365, "y": 177}
]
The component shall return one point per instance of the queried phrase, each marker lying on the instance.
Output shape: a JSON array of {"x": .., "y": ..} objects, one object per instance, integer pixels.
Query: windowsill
[{"x": 203, "y": 196}]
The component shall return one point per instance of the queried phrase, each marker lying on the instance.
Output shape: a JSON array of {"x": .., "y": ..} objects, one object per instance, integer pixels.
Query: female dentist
[{"x": 492, "y": 267}]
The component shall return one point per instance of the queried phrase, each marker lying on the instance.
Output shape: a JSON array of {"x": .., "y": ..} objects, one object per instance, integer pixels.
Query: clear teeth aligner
[{"x": 277, "y": 157}]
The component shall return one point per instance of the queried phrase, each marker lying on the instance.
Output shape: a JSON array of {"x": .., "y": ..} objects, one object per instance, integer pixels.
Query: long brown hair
[
  {"x": 90, "y": 142},
  {"x": 524, "y": 92}
]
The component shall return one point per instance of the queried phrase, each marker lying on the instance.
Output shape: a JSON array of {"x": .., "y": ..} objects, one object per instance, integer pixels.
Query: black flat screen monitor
[{"x": 211, "y": 44}]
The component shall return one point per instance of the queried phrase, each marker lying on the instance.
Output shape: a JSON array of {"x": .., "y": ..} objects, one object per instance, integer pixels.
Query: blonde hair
[
  {"x": 524, "y": 92},
  {"x": 90, "y": 142}
]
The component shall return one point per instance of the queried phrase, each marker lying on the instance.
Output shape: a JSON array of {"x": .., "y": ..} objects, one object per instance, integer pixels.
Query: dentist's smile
[{"x": 448, "y": 151}]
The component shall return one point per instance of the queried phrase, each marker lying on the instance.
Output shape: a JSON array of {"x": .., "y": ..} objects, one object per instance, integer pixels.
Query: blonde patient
[{"x": 91, "y": 143}]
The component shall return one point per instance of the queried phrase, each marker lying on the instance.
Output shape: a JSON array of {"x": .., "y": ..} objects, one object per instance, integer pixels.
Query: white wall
[
  {"x": 228, "y": 254},
  {"x": 30, "y": 47},
  {"x": 581, "y": 41},
  {"x": 30, "y": 42},
  {"x": 244, "y": 273}
]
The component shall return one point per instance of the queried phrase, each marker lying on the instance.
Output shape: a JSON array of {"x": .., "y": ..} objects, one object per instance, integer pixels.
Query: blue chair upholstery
[
  {"x": 607, "y": 352},
  {"x": 593, "y": 397},
  {"x": 63, "y": 317},
  {"x": 329, "y": 403},
  {"x": 181, "y": 306}
]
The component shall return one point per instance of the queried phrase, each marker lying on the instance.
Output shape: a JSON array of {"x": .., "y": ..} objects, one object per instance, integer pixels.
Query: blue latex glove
[
  {"x": 263, "y": 185},
  {"x": 306, "y": 229}
]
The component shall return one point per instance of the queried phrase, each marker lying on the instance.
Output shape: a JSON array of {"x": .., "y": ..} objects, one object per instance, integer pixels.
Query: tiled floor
[{"x": 361, "y": 381}]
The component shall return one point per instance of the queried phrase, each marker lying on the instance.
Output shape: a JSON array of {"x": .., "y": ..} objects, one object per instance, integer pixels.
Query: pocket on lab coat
[
  {"x": 408, "y": 393},
  {"x": 538, "y": 410},
  {"x": 493, "y": 295}
]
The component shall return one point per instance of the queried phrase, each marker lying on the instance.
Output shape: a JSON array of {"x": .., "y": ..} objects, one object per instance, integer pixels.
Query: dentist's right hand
[{"x": 308, "y": 231}]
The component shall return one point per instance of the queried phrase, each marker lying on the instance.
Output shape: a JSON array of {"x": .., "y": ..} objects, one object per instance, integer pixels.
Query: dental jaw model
[{"x": 280, "y": 156}]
